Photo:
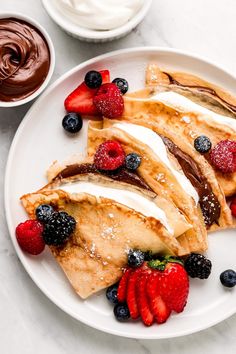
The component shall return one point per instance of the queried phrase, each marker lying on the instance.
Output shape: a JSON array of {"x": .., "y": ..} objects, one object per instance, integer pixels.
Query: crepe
[
  {"x": 96, "y": 253},
  {"x": 152, "y": 170},
  {"x": 187, "y": 123}
]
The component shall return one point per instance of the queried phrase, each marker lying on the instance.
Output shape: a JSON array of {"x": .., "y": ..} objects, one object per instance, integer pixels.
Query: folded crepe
[
  {"x": 189, "y": 107},
  {"x": 166, "y": 181},
  {"x": 94, "y": 256}
]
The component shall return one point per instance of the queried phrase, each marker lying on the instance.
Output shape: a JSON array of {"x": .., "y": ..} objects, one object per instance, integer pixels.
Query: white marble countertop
[{"x": 29, "y": 322}]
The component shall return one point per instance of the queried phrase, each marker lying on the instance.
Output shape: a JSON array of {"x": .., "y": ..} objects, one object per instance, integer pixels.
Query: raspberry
[
  {"x": 29, "y": 236},
  {"x": 109, "y": 156},
  {"x": 109, "y": 101},
  {"x": 223, "y": 156},
  {"x": 233, "y": 207}
]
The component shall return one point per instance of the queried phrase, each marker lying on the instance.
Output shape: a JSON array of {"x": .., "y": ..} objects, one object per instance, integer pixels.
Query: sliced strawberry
[
  {"x": 157, "y": 305},
  {"x": 173, "y": 286},
  {"x": 142, "y": 299},
  {"x": 81, "y": 99},
  {"x": 122, "y": 288},
  {"x": 131, "y": 297}
]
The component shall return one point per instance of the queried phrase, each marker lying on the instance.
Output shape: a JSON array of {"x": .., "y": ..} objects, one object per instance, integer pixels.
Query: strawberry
[
  {"x": 109, "y": 101},
  {"x": 131, "y": 297},
  {"x": 143, "y": 301},
  {"x": 81, "y": 99},
  {"x": 172, "y": 284},
  {"x": 233, "y": 207},
  {"x": 122, "y": 289},
  {"x": 157, "y": 305}
]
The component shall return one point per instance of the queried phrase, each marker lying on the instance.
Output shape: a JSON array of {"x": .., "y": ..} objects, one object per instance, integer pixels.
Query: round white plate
[{"x": 40, "y": 140}]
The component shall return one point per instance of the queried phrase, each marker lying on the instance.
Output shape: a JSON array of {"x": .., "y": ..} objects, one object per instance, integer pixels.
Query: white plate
[{"x": 40, "y": 140}]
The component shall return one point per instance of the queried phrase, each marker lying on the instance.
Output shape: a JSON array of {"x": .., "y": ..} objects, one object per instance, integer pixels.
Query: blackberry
[
  {"x": 58, "y": 228},
  {"x": 121, "y": 312},
  {"x": 135, "y": 258},
  {"x": 43, "y": 212},
  {"x": 202, "y": 144},
  {"x": 122, "y": 84},
  {"x": 198, "y": 266},
  {"x": 111, "y": 294},
  {"x": 72, "y": 123},
  {"x": 93, "y": 79},
  {"x": 228, "y": 278},
  {"x": 133, "y": 161}
]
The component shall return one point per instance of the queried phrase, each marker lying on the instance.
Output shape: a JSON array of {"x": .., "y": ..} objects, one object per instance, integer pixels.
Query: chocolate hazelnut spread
[
  {"x": 209, "y": 204},
  {"x": 203, "y": 89},
  {"x": 121, "y": 175},
  {"x": 24, "y": 59}
]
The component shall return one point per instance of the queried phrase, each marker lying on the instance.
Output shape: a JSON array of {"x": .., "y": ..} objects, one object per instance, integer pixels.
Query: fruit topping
[
  {"x": 154, "y": 289},
  {"x": 135, "y": 258},
  {"x": 109, "y": 101},
  {"x": 109, "y": 156},
  {"x": 29, "y": 237},
  {"x": 122, "y": 84},
  {"x": 223, "y": 156},
  {"x": 81, "y": 99},
  {"x": 202, "y": 144},
  {"x": 72, "y": 122},
  {"x": 132, "y": 161},
  {"x": 198, "y": 266},
  {"x": 121, "y": 312},
  {"x": 233, "y": 207},
  {"x": 111, "y": 294},
  {"x": 228, "y": 278},
  {"x": 43, "y": 212},
  {"x": 58, "y": 228},
  {"x": 93, "y": 79}
]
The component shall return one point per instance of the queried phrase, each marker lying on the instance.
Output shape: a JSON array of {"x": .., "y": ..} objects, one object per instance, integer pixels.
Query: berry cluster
[{"x": 50, "y": 228}]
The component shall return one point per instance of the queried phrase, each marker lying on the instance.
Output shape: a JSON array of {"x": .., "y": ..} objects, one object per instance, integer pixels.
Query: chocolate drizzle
[
  {"x": 209, "y": 204},
  {"x": 203, "y": 89},
  {"x": 121, "y": 175}
]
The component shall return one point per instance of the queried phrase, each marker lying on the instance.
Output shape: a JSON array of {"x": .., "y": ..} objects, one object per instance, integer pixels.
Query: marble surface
[{"x": 29, "y": 322}]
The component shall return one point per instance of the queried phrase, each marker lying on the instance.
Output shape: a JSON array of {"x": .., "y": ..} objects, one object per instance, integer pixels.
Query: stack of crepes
[{"x": 168, "y": 205}]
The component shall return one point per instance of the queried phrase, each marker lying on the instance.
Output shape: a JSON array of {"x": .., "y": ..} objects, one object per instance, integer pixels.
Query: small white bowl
[
  {"x": 88, "y": 35},
  {"x": 52, "y": 58}
]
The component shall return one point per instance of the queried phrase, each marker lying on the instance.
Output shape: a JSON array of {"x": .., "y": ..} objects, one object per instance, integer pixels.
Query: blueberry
[
  {"x": 111, "y": 294},
  {"x": 135, "y": 258},
  {"x": 202, "y": 144},
  {"x": 122, "y": 85},
  {"x": 228, "y": 278},
  {"x": 121, "y": 312},
  {"x": 133, "y": 161},
  {"x": 43, "y": 212},
  {"x": 72, "y": 122},
  {"x": 93, "y": 79}
]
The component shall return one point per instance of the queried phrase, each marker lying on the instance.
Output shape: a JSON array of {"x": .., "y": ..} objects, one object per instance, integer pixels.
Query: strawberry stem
[{"x": 161, "y": 264}]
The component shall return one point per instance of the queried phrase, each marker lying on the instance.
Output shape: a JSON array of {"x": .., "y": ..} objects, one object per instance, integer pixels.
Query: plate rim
[{"x": 10, "y": 157}]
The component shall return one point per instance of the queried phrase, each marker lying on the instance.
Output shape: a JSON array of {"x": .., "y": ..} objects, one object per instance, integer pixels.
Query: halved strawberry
[
  {"x": 81, "y": 99},
  {"x": 157, "y": 305},
  {"x": 142, "y": 300},
  {"x": 122, "y": 288},
  {"x": 131, "y": 297}
]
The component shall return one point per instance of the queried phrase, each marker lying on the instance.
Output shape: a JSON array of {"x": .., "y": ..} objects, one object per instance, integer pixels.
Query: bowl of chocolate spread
[{"x": 27, "y": 59}]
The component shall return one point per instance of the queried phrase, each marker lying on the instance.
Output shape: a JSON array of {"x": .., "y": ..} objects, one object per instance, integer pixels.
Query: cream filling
[
  {"x": 133, "y": 200},
  {"x": 181, "y": 103},
  {"x": 155, "y": 143}
]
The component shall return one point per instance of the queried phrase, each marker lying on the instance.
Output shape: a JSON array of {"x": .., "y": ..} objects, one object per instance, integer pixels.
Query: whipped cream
[
  {"x": 155, "y": 143},
  {"x": 99, "y": 14},
  {"x": 131, "y": 199},
  {"x": 181, "y": 103}
]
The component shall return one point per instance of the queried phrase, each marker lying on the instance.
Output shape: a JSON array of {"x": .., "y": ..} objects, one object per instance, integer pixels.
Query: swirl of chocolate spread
[{"x": 24, "y": 59}]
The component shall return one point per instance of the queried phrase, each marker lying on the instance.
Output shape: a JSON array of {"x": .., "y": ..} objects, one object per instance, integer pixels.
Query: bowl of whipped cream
[{"x": 97, "y": 20}]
